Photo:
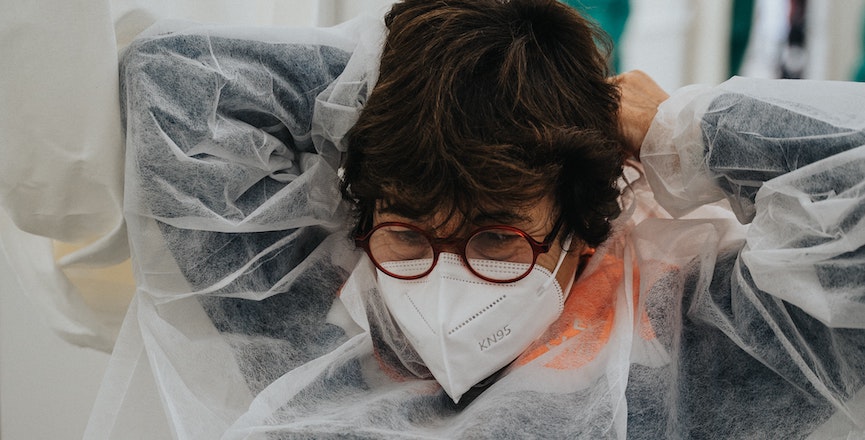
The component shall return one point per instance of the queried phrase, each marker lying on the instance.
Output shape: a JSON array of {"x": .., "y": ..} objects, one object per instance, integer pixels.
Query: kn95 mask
[{"x": 464, "y": 328}]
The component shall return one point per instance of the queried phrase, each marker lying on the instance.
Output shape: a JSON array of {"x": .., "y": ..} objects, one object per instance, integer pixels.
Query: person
[
  {"x": 494, "y": 130},
  {"x": 526, "y": 247},
  {"x": 514, "y": 145}
]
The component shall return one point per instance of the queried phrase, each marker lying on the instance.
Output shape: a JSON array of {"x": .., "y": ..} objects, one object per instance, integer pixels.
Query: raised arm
[
  {"x": 710, "y": 143},
  {"x": 640, "y": 98}
]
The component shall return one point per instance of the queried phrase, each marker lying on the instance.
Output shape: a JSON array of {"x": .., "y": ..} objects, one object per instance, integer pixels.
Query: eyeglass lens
[{"x": 407, "y": 252}]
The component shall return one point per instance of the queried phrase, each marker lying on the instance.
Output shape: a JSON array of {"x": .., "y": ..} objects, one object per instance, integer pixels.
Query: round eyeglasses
[{"x": 407, "y": 252}]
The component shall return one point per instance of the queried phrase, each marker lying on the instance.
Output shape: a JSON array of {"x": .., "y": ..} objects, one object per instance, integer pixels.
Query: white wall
[
  {"x": 654, "y": 40},
  {"x": 336, "y": 11},
  {"x": 47, "y": 386},
  {"x": 835, "y": 42}
]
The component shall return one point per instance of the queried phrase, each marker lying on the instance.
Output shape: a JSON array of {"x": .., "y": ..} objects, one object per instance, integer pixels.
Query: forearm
[{"x": 709, "y": 143}]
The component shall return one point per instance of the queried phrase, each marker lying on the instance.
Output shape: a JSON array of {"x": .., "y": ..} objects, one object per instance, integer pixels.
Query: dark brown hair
[{"x": 484, "y": 106}]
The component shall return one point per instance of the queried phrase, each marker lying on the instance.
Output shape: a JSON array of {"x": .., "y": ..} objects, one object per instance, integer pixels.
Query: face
[{"x": 537, "y": 221}]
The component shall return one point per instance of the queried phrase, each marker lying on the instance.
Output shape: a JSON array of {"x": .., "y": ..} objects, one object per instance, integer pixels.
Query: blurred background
[
  {"x": 48, "y": 380},
  {"x": 682, "y": 42}
]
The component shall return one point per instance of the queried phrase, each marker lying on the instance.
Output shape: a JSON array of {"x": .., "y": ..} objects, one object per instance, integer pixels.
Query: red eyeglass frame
[{"x": 538, "y": 248}]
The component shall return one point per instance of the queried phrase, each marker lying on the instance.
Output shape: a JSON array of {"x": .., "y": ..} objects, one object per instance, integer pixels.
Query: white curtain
[{"x": 61, "y": 144}]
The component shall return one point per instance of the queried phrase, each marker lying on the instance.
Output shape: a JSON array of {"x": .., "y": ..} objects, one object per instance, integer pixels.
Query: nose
[{"x": 450, "y": 245}]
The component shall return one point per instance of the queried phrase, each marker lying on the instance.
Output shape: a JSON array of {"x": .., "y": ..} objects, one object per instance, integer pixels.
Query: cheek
[
  {"x": 569, "y": 264},
  {"x": 548, "y": 261}
]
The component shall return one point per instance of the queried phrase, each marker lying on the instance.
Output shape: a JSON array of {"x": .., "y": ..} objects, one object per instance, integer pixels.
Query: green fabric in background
[
  {"x": 740, "y": 33},
  {"x": 610, "y": 15},
  {"x": 860, "y": 75}
]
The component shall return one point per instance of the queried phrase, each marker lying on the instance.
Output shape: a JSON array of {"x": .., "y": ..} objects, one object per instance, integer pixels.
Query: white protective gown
[{"x": 255, "y": 318}]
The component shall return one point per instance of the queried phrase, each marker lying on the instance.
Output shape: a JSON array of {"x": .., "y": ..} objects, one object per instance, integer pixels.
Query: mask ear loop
[
  {"x": 565, "y": 245},
  {"x": 628, "y": 210},
  {"x": 567, "y": 291}
]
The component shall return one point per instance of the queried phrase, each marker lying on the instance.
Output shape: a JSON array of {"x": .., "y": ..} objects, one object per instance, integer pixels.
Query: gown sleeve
[
  {"x": 709, "y": 143},
  {"x": 789, "y": 157}
]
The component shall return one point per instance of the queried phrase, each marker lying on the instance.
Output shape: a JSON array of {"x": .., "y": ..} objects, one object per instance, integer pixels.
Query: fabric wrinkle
[{"x": 729, "y": 293}]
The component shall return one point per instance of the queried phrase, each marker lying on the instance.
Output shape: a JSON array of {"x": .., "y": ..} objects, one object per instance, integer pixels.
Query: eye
[
  {"x": 495, "y": 238},
  {"x": 499, "y": 244},
  {"x": 407, "y": 237},
  {"x": 399, "y": 243}
]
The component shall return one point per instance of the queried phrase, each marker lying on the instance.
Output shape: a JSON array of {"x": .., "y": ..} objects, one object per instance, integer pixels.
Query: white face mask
[{"x": 464, "y": 328}]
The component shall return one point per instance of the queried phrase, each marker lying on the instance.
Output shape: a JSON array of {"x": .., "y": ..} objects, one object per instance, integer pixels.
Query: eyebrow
[
  {"x": 499, "y": 217},
  {"x": 399, "y": 210},
  {"x": 485, "y": 217}
]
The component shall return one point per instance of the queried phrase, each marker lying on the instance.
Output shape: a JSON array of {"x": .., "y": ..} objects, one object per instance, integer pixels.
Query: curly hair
[{"x": 485, "y": 106}]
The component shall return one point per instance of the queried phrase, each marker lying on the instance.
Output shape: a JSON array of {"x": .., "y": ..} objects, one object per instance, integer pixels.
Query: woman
[
  {"x": 493, "y": 129},
  {"x": 492, "y": 149}
]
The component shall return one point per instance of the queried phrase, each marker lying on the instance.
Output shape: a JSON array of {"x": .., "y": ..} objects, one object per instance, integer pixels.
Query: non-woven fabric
[
  {"x": 255, "y": 318},
  {"x": 233, "y": 144},
  {"x": 797, "y": 172},
  {"x": 62, "y": 230}
]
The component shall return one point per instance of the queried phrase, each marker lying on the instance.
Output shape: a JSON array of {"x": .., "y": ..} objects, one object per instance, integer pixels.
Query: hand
[{"x": 639, "y": 101}]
